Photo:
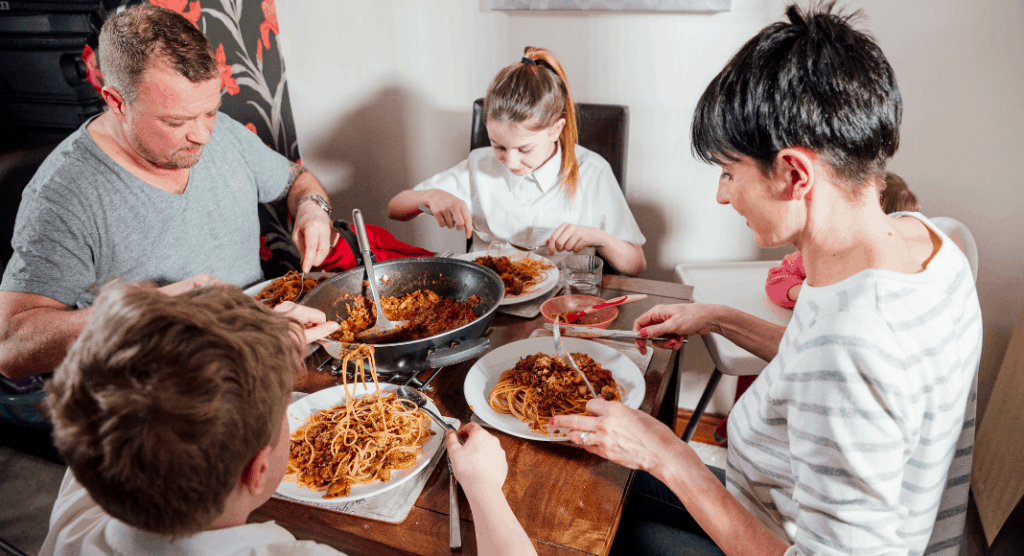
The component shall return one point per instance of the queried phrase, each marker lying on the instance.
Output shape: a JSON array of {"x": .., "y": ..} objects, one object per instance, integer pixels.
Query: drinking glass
[{"x": 583, "y": 273}]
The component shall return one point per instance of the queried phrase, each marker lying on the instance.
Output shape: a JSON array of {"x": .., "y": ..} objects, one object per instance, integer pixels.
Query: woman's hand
[
  {"x": 480, "y": 463},
  {"x": 676, "y": 321},
  {"x": 572, "y": 237},
  {"x": 617, "y": 433},
  {"x": 314, "y": 322},
  {"x": 450, "y": 211}
]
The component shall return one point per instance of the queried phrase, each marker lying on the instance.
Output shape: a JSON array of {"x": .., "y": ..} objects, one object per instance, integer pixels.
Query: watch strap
[{"x": 318, "y": 200}]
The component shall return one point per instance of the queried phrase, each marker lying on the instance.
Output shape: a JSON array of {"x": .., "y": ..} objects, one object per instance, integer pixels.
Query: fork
[
  {"x": 564, "y": 354},
  {"x": 302, "y": 286}
]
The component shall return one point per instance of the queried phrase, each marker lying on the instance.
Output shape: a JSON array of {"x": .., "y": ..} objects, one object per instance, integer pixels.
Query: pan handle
[{"x": 463, "y": 352}]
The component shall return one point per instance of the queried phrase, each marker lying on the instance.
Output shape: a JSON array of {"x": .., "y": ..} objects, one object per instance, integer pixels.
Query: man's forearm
[
  {"x": 302, "y": 184},
  {"x": 36, "y": 340}
]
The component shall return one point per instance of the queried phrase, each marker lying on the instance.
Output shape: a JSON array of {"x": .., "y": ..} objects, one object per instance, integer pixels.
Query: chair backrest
[
  {"x": 16, "y": 169},
  {"x": 959, "y": 233},
  {"x": 603, "y": 128},
  {"x": 1010, "y": 539}
]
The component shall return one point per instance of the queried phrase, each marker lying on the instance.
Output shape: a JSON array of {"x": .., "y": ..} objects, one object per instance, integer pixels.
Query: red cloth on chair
[{"x": 384, "y": 246}]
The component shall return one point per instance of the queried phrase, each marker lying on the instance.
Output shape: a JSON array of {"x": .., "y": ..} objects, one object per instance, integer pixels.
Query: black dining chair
[
  {"x": 603, "y": 128},
  {"x": 1010, "y": 538}
]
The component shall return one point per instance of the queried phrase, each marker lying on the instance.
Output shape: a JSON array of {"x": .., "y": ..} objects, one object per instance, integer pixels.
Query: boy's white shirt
[{"x": 78, "y": 525}]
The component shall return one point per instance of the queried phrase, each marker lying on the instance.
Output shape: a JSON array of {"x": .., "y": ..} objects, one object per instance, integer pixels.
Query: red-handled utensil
[{"x": 570, "y": 318}]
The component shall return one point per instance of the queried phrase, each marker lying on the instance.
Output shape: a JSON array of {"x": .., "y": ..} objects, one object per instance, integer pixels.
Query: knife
[{"x": 589, "y": 332}]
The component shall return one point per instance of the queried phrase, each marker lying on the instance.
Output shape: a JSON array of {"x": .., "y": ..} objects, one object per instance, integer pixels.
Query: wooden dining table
[{"x": 568, "y": 500}]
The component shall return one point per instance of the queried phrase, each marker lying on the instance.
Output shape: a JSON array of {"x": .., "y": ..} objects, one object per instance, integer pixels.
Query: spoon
[
  {"x": 571, "y": 318},
  {"x": 420, "y": 401},
  {"x": 454, "y": 530},
  {"x": 384, "y": 330},
  {"x": 334, "y": 348}
]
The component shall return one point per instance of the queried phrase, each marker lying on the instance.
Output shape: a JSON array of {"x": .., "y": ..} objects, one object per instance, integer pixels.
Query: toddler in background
[{"x": 784, "y": 281}]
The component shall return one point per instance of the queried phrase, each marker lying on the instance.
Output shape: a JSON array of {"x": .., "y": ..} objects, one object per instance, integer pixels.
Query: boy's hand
[{"x": 314, "y": 322}]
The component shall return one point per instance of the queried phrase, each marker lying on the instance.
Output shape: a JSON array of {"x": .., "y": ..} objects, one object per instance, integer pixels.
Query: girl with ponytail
[{"x": 533, "y": 179}]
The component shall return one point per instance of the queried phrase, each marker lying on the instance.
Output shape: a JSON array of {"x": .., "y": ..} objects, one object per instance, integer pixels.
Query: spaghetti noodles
[
  {"x": 518, "y": 275},
  {"x": 359, "y": 442},
  {"x": 541, "y": 386},
  {"x": 287, "y": 288}
]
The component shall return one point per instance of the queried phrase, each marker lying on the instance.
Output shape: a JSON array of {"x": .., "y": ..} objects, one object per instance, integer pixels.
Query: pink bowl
[{"x": 571, "y": 303}]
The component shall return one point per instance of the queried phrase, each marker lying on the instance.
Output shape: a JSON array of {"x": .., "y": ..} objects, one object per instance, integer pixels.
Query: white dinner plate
[
  {"x": 484, "y": 375},
  {"x": 251, "y": 291},
  {"x": 539, "y": 289},
  {"x": 300, "y": 411}
]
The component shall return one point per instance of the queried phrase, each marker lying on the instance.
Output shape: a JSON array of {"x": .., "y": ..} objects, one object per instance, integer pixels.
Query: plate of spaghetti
[
  {"x": 526, "y": 275},
  {"x": 285, "y": 288},
  {"x": 356, "y": 440},
  {"x": 519, "y": 386}
]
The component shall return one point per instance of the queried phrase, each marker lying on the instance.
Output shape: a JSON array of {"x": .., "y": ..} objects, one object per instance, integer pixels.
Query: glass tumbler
[{"x": 583, "y": 274}]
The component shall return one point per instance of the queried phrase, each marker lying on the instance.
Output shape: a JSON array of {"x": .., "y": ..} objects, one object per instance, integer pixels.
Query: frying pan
[{"x": 451, "y": 278}]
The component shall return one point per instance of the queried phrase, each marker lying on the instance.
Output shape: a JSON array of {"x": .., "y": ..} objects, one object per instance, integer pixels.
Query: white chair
[
  {"x": 962, "y": 237},
  {"x": 739, "y": 285}
]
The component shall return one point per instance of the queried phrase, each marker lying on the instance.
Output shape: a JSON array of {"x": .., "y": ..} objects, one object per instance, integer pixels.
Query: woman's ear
[{"x": 796, "y": 167}]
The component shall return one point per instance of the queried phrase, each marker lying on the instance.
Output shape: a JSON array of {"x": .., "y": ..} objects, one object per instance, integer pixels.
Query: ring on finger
[{"x": 584, "y": 438}]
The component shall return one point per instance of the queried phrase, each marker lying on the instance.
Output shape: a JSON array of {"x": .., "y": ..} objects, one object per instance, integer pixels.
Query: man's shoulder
[{"x": 71, "y": 163}]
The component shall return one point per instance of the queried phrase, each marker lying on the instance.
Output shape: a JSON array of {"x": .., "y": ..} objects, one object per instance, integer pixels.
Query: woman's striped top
[{"x": 856, "y": 439}]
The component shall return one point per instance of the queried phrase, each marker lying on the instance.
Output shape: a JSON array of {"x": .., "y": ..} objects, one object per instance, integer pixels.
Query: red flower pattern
[
  {"x": 226, "y": 79},
  {"x": 270, "y": 24},
  {"x": 190, "y": 10},
  {"x": 265, "y": 252},
  {"x": 92, "y": 72},
  {"x": 252, "y": 127}
]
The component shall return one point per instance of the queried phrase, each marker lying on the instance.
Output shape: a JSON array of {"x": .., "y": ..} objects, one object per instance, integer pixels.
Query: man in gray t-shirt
[{"x": 160, "y": 187}]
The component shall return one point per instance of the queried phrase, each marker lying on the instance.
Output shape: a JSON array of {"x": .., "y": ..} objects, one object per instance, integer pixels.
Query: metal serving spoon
[{"x": 385, "y": 329}]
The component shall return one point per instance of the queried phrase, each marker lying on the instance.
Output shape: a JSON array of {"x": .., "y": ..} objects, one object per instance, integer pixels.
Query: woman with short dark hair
[{"x": 855, "y": 438}]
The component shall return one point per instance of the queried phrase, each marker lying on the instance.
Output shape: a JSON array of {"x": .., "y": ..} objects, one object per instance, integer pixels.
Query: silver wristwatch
[{"x": 319, "y": 200}]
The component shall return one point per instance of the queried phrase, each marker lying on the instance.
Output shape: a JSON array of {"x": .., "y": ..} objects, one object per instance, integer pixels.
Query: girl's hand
[
  {"x": 677, "y": 321},
  {"x": 450, "y": 211},
  {"x": 617, "y": 433},
  {"x": 571, "y": 237}
]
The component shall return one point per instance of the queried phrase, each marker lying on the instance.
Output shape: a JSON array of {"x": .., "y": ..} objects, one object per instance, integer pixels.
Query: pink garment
[{"x": 783, "y": 277}]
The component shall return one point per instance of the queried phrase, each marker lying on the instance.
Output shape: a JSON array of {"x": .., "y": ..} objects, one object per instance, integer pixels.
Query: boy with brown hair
[{"x": 171, "y": 415}]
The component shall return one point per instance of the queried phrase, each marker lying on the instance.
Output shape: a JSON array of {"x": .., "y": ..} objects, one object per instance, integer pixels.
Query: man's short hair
[
  {"x": 163, "y": 401},
  {"x": 144, "y": 35},
  {"x": 812, "y": 82}
]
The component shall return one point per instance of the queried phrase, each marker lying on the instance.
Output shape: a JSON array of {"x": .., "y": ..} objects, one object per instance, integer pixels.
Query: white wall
[{"x": 382, "y": 90}]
